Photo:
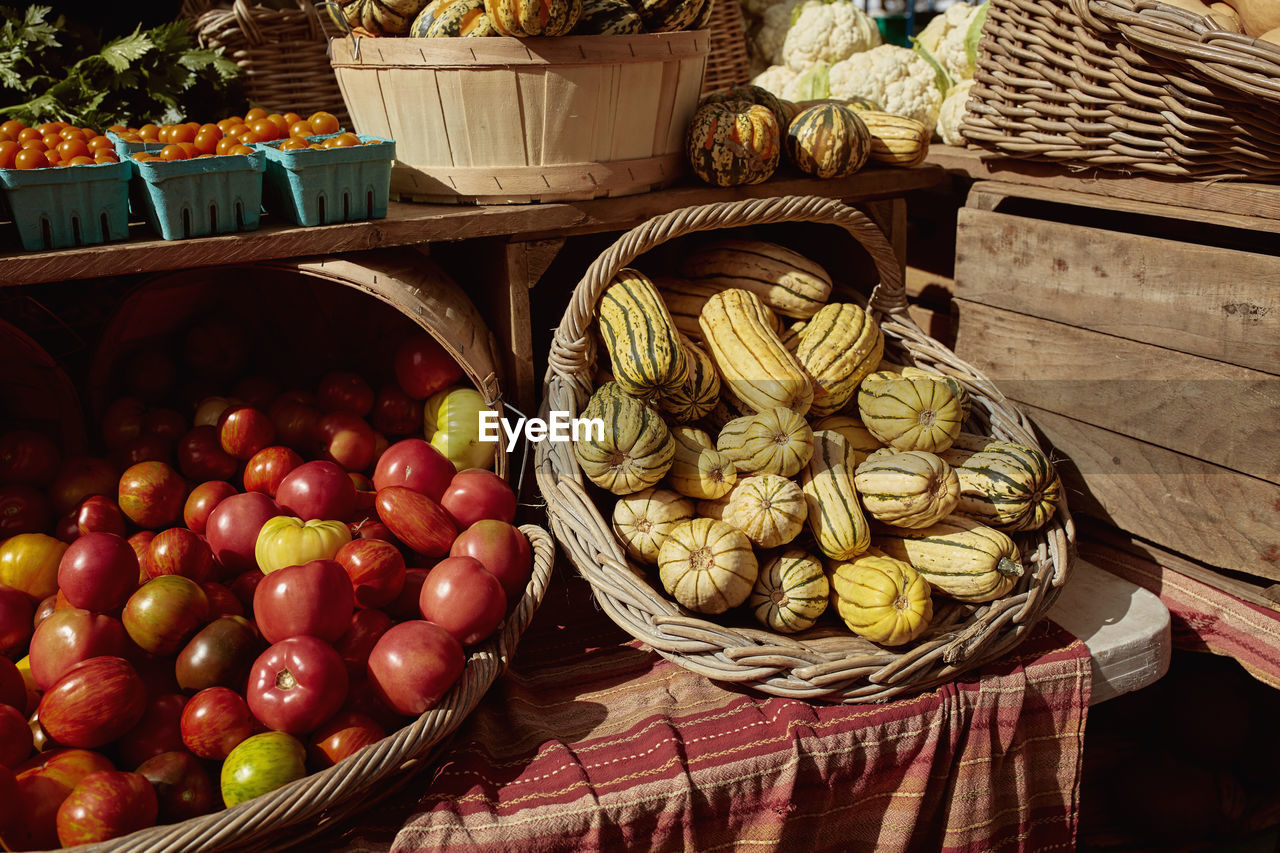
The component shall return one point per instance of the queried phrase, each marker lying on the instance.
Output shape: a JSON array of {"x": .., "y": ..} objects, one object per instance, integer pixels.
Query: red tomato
[
  {"x": 462, "y": 597},
  {"x": 314, "y": 599},
  {"x": 413, "y": 665},
  {"x": 415, "y": 464},
  {"x": 477, "y": 494},
  {"x": 502, "y": 549},
  {"x": 214, "y": 722},
  {"x": 345, "y": 734},
  {"x": 106, "y": 805},
  {"x": 423, "y": 367},
  {"x": 296, "y": 685},
  {"x": 202, "y": 500}
]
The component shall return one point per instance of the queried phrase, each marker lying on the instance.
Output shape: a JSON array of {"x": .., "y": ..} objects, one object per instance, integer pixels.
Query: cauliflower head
[
  {"x": 767, "y": 41},
  {"x": 952, "y": 112},
  {"x": 827, "y": 31},
  {"x": 901, "y": 81},
  {"x": 947, "y": 38},
  {"x": 775, "y": 79}
]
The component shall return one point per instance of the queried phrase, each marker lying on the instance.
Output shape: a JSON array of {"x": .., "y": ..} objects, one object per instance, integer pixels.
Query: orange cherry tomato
[
  {"x": 173, "y": 151},
  {"x": 104, "y": 155},
  {"x": 282, "y": 126},
  {"x": 206, "y": 143},
  {"x": 116, "y": 128},
  {"x": 255, "y": 113},
  {"x": 323, "y": 122},
  {"x": 345, "y": 140},
  {"x": 69, "y": 148},
  {"x": 51, "y": 140},
  {"x": 30, "y": 158},
  {"x": 36, "y": 143},
  {"x": 100, "y": 142},
  {"x": 238, "y": 131},
  {"x": 190, "y": 149},
  {"x": 293, "y": 143},
  {"x": 225, "y": 144},
  {"x": 50, "y": 127},
  {"x": 290, "y": 118},
  {"x": 54, "y": 158},
  {"x": 4, "y": 137},
  {"x": 230, "y": 121},
  {"x": 241, "y": 149},
  {"x": 80, "y": 161},
  {"x": 210, "y": 128},
  {"x": 265, "y": 129},
  {"x": 145, "y": 156},
  {"x": 300, "y": 130},
  {"x": 12, "y": 128},
  {"x": 182, "y": 133},
  {"x": 30, "y": 133},
  {"x": 72, "y": 133},
  {"x": 8, "y": 150},
  {"x": 149, "y": 133}
]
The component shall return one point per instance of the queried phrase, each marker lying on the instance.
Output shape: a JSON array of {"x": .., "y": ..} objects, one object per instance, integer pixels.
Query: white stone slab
[{"x": 1125, "y": 627}]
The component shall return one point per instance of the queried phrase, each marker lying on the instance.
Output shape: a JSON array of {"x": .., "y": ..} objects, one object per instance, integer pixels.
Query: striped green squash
[
  {"x": 959, "y": 556},
  {"x": 636, "y": 449},
  {"x": 1008, "y": 486},
  {"x": 644, "y": 347},
  {"x": 786, "y": 281},
  {"x": 775, "y": 441},
  {"x": 644, "y": 520},
  {"x": 770, "y": 509},
  {"x": 835, "y": 513},
  {"x": 838, "y": 347},
  {"x": 909, "y": 414},
  {"x": 828, "y": 141},
  {"x": 607, "y": 391},
  {"x": 698, "y": 395},
  {"x": 707, "y": 565},
  {"x": 733, "y": 143},
  {"x": 791, "y": 592},
  {"x": 378, "y": 17},
  {"x": 912, "y": 372},
  {"x": 861, "y": 442},
  {"x": 908, "y": 489},
  {"x": 608, "y": 18},
  {"x": 752, "y": 94},
  {"x": 452, "y": 19},
  {"x": 668, "y": 16},
  {"x": 698, "y": 470},
  {"x": 526, "y": 18}
]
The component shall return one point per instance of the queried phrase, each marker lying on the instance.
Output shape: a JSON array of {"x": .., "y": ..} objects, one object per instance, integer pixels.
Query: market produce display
[
  {"x": 518, "y": 18},
  {"x": 240, "y": 589},
  {"x": 840, "y": 484},
  {"x": 803, "y": 50},
  {"x": 739, "y": 135}
]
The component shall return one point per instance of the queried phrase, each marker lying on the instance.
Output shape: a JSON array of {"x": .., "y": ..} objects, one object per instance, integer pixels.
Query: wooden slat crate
[{"x": 1143, "y": 338}]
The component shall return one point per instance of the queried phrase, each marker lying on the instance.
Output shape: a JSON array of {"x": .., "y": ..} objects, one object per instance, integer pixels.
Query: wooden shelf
[{"x": 411, "y": 224}]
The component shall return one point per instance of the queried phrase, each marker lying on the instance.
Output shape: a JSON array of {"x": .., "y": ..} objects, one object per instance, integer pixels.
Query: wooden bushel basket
[
  {"x": 824, "y": 662},
  {"x": 504, "y": 120}
]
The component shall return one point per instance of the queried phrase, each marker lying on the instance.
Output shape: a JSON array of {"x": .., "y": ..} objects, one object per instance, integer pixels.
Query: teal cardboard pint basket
[
  {"x": 69, "y": 206},
  {"x": 200, "y": 197},
  {"x": 323, "y": 186}
]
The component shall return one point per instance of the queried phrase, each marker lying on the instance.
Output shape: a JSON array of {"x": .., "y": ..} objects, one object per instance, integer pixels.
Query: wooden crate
[{"x": 1143, "y": 338}]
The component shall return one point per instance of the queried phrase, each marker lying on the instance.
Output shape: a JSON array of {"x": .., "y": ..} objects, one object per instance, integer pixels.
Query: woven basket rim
[
  {"x": 258, "y": 821},
  {"x": 962, "y": 637}
]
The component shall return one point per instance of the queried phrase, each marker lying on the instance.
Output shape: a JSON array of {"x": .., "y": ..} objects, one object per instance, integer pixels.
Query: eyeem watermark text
[{"x": 559, "y": 427}]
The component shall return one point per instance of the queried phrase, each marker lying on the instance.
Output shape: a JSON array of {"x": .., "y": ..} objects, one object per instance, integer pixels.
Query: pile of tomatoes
[
  {"x": 235, "y": 593},
  {"x": 234, "y": 135},
  {"x": 53, "y": 143}
]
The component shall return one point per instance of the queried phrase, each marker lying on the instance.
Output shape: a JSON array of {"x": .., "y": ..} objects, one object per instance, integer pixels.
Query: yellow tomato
[
  {"x": 286, "y": 541},
  {"x": 451, "y": 422},
  {"x": 29, "y": 562}
]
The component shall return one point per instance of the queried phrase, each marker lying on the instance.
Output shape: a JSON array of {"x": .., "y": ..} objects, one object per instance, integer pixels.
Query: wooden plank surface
[
  {"x": 408, "y": 224},
  {"x": 1260, "y": 200},
  {"x": 1213, "y": 411},
  {"x": 1208, "y": 513},
  {"x": 1203, "y": 300}
]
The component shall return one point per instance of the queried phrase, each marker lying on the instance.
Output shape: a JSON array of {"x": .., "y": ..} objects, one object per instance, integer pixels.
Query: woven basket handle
[
  {"x": 571, "y": 349},
  {"x": 1228, "y": 59}
]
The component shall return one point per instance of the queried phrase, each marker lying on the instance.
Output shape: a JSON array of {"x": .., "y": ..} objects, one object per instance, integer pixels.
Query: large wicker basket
[
  {"x": 822, "y": 663},
  {"x": 307, "y": 807},
  {"x": 1130, "y": 85},
  {"x": 282, "y": 52},
  {"x": 728, "y": 63}
]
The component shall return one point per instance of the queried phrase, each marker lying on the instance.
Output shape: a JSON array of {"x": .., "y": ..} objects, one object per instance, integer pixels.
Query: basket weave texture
[
  {"x": 304, "y": 808},
  {"x": 822, "y": 663},
  {"x": 282, "y": 52},
  {"x": 728, "y": 63},
  {"x": 1132, "y": 85}
]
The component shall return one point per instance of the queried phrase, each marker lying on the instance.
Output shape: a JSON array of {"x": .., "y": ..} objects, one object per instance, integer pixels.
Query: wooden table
[{"x": 514, "y": 244}]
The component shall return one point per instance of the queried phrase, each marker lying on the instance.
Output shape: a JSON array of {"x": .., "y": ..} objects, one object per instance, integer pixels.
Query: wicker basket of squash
[{"x": 792, "y": 487}]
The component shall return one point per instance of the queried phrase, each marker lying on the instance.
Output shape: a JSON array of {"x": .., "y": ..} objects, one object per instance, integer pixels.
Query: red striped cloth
[
  {"x": 1203, "y": 618},
  {"x": 592, "y": 742}
]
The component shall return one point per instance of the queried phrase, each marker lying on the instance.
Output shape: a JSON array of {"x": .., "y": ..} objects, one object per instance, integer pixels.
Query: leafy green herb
[{"x": 50, "y": 72}]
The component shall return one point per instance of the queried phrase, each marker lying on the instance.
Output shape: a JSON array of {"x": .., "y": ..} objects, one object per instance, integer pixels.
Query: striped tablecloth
[{"x": 593, "y": 742}]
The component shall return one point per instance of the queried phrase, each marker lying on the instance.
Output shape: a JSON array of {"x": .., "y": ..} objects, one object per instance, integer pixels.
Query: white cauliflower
[
  {"x": 776, "y": 79},
  {"x": 901, "y": 81},
  {"x": 768, "y": 39},
  {"x": 810, "y": 85},
  {"x": 952, "y": 112},
  {"x": 827, "y": 31},
  {"x": 944, "y": 37}
]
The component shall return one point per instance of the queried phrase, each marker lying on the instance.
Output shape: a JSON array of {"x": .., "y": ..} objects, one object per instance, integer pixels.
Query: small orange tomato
[
  {"x": 80, "y": 160},
  {"x": 149, "y": 133},
  {"x": 265, "y": 129},
  {"x": 293, "y": 143},
  {"x": 50, "y": 127},
  {"x": 238, "y": 131},
  {"x": 189, "y": 148},
  {"x": 173, "y": 151},
  {"x": 13, "y": 127},
  {"x": 53, "y": 157},
  {"x": 8, "y": 150},
  {"x": 254, "y": 114},
  {"x": 51, "y": 140},
  {"x": 30, "y": 133},
  {"x": 323, "y": 122},
  {"x": 282, "y": 126},
  {"x": 72, "y": 133},
  {"x": 117, "y": 128},
  {"x": 345, "y": 140},
  {"x": 300, "y": 130},
  {"x": 5, "y": 137},
  {"x": 145, "y": 156},
  {"x": 99, "y": 142},
  {"x": 30, "y": 158},
  {"x": 206, "y": 143},
  {"x": 210, "y": 128},
  {"x": 225, "y": 144},
  {"x": 165, "y": 133},
  {"x": 69, "y": 148},
  {"x": 130, "y": 136},
  {"x": 182, "y": 133},
  {"x": 230, "y": 121},
  {"x": 104, "y": 155},
  {"x": 36, "y": 143},
  {"x": 241, "y": 149}
]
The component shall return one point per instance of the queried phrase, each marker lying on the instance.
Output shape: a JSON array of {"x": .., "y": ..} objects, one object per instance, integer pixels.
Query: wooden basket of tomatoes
[{"x": 252, "y": 611}]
